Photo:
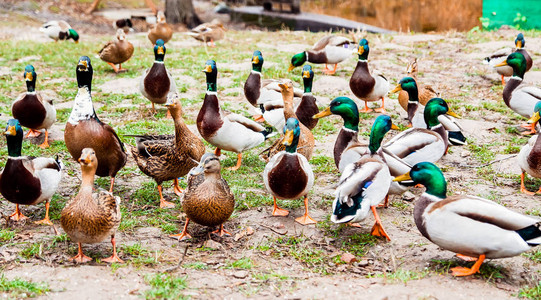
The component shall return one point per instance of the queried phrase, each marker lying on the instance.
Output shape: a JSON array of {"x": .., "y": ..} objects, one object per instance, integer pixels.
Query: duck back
[
  {"x": 157, "y": 83},
  {"x": 29, "y": 111},
  {"x": 17, "y": 184}
]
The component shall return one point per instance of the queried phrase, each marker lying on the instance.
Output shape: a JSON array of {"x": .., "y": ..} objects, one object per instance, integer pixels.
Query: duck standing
[
  {"x": 500, "y": 56},
  {"x": 529, "y": 157},
  {"x": 117, "y": 52},
  {"x": 27, "y": 180},
  {"x": 85, "y": 130},
  {"x": 331, "y": 49},
  {"x": 426, "y": 92},
  {"x": 91, "y": 218},
  {"x": 288, "y": 175},
  {"x": 366, "y": 86},
  {"x": 161, "y": 30},
  {"x": 32, "y": 110},
  {"x": 208, "y": 201}
]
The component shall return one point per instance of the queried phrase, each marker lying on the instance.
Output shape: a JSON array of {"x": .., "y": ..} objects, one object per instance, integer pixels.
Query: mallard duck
[
  {"x": 167, "y": 157},
  {"x": 408, "y": 85},
  {"x": 156, "y": 82},
  {"x": 59, "y": 30},
  {"x": 207, "y": 200},
  {"x": 331, "y": 49},
  {"x": 519, "y": 96},
  {"x": 91, "y": 218},
  {"x": 117, "y": 52},
  {"x": 288, "y": 175},
  {"x": 208, "y": 32},
  {"x": 529, "y": 157},
  {"x": 161, "y": 30},
  {"x": 27, "y": 180},
  {"x": 426, "y": 92},
  {"x": 500, "y": 56},
  {"x": 125, "y": 24},
  {"x": 368, "y": 87},
  {"x": 32, "y": 110},
  {"x": 230, "y": 132},
  {"x": 365, "y": 183},
  {"x": 85, "y": 130},
  {"x": 468, "y": 225}
]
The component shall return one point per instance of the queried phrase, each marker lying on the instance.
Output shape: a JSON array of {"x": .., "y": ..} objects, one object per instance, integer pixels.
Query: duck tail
[
  {"x": 531, "y": 234},
  {"x": 267, "y": 133},
  {"x": 456, "y": 138}
]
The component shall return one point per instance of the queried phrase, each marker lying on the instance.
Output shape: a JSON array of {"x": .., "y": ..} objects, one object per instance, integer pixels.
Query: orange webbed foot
[
  {"x": 221, "y": 232},
  {"x": 377, "y": 230},
  {"x": 280, "y": 212},
  {"x": 258, "y": 118},
  {"x": 184, "y": 235},
  {"x": 45, "y": 221},
  {"x": 81, "y": 258},
  {"x": 305, "y": 220},
  {"x": 166, "y": 204},
  {"x": 356, "y": 225},
  {"x": 113, "y": 259},
  {"x": 462, "y": 271}
]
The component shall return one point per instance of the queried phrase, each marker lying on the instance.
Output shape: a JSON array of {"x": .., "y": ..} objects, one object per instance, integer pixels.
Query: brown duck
[
  {"x": 166, "y": 157},
  {"x": 117, "y": 52},
  {"x": 91, "y": 218},
  {"x": 207, "y": 200},
  {"x": 85, "y": 130},
  {"x": 426, "y": 92},
  {"x": 161, "y": 30}
]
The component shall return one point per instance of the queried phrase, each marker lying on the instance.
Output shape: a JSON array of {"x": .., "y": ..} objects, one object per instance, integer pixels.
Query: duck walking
[
  {"x": 117, "y": 52},
  {"x": 495, "y": 60}
]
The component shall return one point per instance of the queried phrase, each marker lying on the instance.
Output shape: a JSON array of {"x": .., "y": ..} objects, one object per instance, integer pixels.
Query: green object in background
[{"x": 521, "y": 14}]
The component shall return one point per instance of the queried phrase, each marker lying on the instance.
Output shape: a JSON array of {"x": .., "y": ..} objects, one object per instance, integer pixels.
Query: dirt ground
[{"x": 283, "y": 259}]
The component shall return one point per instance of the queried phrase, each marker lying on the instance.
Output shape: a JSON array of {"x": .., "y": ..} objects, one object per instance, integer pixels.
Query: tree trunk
[{"x": 181, "y": 11}]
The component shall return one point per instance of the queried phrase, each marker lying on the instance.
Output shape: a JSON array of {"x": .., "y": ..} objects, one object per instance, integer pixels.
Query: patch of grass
[
  {"x": 32, "y": 250},
  {"x": 487, "y": 271},
  {"x": 140, "y": 255},
  {"x": 359, "y": 243},
  {"x": 244, "y": 263},
  {"x": 534, "y": 255},
  {"x": 165, "y": 286},
  {"x": 403, "y": 275},
  {"x": 196, "y": 265},
  {"x": 533, "y": 292},
  {"x": 271, "y": 275},
  {"x": 19, "y": 288},
  {"x": 323, "y": 164},
  {"x": 6, "y": 235}
]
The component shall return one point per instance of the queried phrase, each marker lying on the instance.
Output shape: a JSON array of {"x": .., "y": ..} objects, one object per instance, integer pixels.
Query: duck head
[
  {"x": 292, "y": 131},
  {"x": 297, "y": 60},
  {"x": 381, "y": 126},
  {"x": 173, "y": 105},
  {"x": 209, "y": 164},
  {"x": 520, "y": 42},
  {"x": 73, "y": 35},
  {"x": 159, "y": 50},
  {"x": 88, "y": 160},
  {"x": 257, "y": 61},
  {"x": 535, "y": 117},
  {"x": 409, "y": 85},
  {"x": 120, "y": 34},
  {"x": 212, "y": 73},
  {"x": 429, "y": 175},
  {"x": 364, "y": 49},
  {"x": 14, "y": 137},
  {"x": 344, "y": 107},
  {"x": 84, "y": 72},
  {"x": 307, "y": 78},
  {"x": 434, "y": 108},
  {"x": 30, "y": 77},
  {"x": 161, "y": 17},
  {"x": 516, "y": 61},
  {"x": 287, "y": 90},
  {"x": 411, "y": 68}
]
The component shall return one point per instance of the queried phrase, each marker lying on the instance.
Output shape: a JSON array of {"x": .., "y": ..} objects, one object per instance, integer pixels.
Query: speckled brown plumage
[
  {"x": 426, "y": 92},
  {"x": 161, "y": 30},
  {"x": 117, "y": 51}
]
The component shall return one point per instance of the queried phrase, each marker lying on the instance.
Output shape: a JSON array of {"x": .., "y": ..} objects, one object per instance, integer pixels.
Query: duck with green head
[
  {"x": 366, "y": 86},
  {"x": 27, "y": 180},
  {"x": 365, "y": 183},
  {"x": 517, "y": 95},
  {"x": 59, "y": 30},
  {"x": 468, "y": 225},
  {"x": 32, "y": 110},
  {"x": 500, "y": 56},
  {"x": 288, "y": 175},
  {"x": 529, "y": 157},
  {"x": 230, "y": 132},
  {"x": 331, "y": 49}
]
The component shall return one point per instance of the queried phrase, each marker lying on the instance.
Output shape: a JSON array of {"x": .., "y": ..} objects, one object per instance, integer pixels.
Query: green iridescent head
[
  {"x": 14, "y": 137},
  {"x": 212, "y": 73},
  {"x": 307, "y": 78},
  {"x": 429, "y": 175},
  {"x": 516, "y": 61},
  {"x": 344, "y": 107},
  {"x": 74, "y": 35},
  {"x": 409, "y": 85},
  {"x": 520, "y": 42},
  {"x": 536, "y": 114},
  {"x": 297, "y": 60},
  {"x": 159, "y": 50},
  {"x": 364, "y": 49},
  {"x": 292, "y": 131},
  {"x": 30, "y": 77},
  {"x": 381, "y": 126},
  {"x": 434, "y": 108},
  {"x": 257, "y": 61}
]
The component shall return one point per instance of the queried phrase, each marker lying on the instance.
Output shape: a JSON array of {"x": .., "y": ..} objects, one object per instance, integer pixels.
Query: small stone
[
  {"x": 212, "y": 244},
  {"x": 363, "y": 263},
  {"x": 408, "y": 196},
  {"x": 240, "y": 274},
  {"x": 348, "y": 258},
  {"x": 465, "y": 153},
  {"x": 278, "y": 225},
  {"x": 249, "y": 230}
]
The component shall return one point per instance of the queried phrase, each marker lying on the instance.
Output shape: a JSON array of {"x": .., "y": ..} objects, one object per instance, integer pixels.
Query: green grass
[
  {"x": 165, "y": 286},
  {"x": 18, "y": 288},
  {"x": 402, "y": 275},
  {"x": 32, "y": 250},
  {"x": 533, "y": 292},
  {"x": 244, "y": 263},
  {"x": 6, "y": 235}
]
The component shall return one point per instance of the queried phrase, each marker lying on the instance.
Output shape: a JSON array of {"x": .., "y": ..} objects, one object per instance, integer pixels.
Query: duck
[
  {"x": 470, "y": 226},
  {"x": 306, "y": 141},
  {"x": 208, "y": 32},
  {"x": 117, "y": 51},
  {"x": 517, "y": 95},
  {"x": 161, "y": 30},
  {"x": 32, "y": 110},
  {"x": 366, "y": 86},
  {"x": 125, "y": 24},
  {"x": 500, "y": 56},
  {"x": 85, "y": 130},
  {"x": 529, "y": 157},
  {"x": 27, "y": 180},
  {"x": 423, "y": 144},
  {"x": 415, "y": 110},
  {"x": 331, "y": 49},
  {"x": 426, "y": 92},
  {"x": 156, "y": 82},
  {"x": 230, "y": 132},
  {"x": 208, "y": 201},
  {"x": 59, "y": 30},
  {"x": 168, "y": 157},
  {"x": 288, "y": 175},
  {"x": 364, "y": 184},
  {"x": 91, "y": 218}
]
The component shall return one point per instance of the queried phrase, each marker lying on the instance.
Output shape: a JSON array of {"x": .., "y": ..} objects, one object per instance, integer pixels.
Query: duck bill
[
  {"x": 82, "y": 65},
  {"x": 207, "y": 69},
  {"x": 84, "y": 160},
  {"x": 361, "y": 51},
  {"x": 393, "y": 126},
  {"x": 29, "y": 76},
  {"x": 453, "y": 114},
  {"x": 11, "y": 131},
  {"x": 398, "y": 88},
  {"x": 534, "y": 119},
  {"x": 306, "y": 74},
  {"x": 283, "y": 87},
  {"x": 403, "y": 177},
  {"x": 255, "y": 60},
  {"x": 502, "y": 64},
  {"x": 288, "y": 138},
  {"x": 291, "y": 67},
  {"x": 197, "y": 170},
  {"x": 519, "y": 44},
  {"x": 160, "y": 50},
  {"x": 326, "y": 112}
]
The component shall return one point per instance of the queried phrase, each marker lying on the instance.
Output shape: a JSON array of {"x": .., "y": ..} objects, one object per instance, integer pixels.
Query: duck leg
[
  {"x": 80, "y": 257},
  {"x": 466, "y": 257},
  {"x": 329, "y": 71},
  {"x": 461, "y": 271},
  {"x": 277, "y": 211},
  {"x": 221, "y": 232},
  {"x": 33, "y": 133},
  {"x": 377, "y": 229},
  {"x": 176, "y": 188},
  {"x": 531, "y": 127},
  {"x": 306, "y": 219},
  {"x": 385, "y": 202},
  {"x": 114, "y": 67},
  {"x": 114, "y": 257},
  {"x": 112, "y": 185},
  {"x": 239, "y": 162},
  {"x": 522, "y": 187},
  {"x": 45, "y": 143},
  {"x": 153, "y": 109},
  {"x": 382, "y": 108},
  {"x": 503, "y": 80},
  {"x": 184, "y": 235},
  {"x": 164, "y": 203},
  {"x": 366, "y": 109},
  {"x": 17, "y": 215},
  {"x": 218, "y": 152},
  {"x": 46, "y": 220}
]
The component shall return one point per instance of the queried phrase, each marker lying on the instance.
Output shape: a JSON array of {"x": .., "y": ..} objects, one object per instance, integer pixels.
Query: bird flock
[{"x": 472, "y": 227}]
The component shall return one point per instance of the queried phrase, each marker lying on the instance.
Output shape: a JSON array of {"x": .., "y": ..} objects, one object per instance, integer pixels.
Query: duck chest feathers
[
  {"x": 209, "y": 119},
  {"x": 510, "y": 87},
  {"x": 288, "y": 179},
  {"x": 157, "y": 83},
  {"x": 17, "y": 184},
  {"x": 342, "y": 141},
  {"x": 361, "y": 82},
  {"x": 252, "y": 87},
  {"x": 29, "y": 111}
]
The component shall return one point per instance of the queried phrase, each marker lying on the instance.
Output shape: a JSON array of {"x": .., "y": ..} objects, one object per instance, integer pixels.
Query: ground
[{"x": 267, "y": 257}]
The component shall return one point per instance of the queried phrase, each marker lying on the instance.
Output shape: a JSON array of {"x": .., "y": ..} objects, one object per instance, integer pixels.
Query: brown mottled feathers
[
  {"x": 161, "y": 30},
  {"x": 116, "y": 52},
  {"x": 208, "y": 203},
  {"x": 426, "y": 92}
]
